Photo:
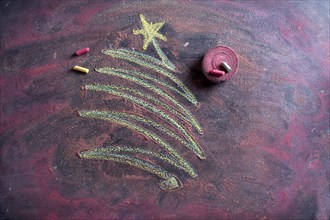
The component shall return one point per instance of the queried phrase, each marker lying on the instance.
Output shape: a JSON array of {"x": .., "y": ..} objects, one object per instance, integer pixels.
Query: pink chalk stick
[
  {"x": 82, "y": 51},
  {"x": 215, "y": 72}
]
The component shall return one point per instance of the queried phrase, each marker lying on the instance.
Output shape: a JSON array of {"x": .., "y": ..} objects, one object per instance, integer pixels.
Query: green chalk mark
[
  {"x": 147, "y": 58},
  {"x": 127, "y": 75},
  {"x": 179, "y": 83},
  {"x": 155, "y": 101},
  {"x": 162, "y": 56},
  {"x": 112, "y": 90},
  {"x": 153, "y": 124},
  {"x": 185, "y": 165},
  {"x": 119, "y": 149},
  {"x": 170, "y": 181},
  {"x": 150, "y": 78}
]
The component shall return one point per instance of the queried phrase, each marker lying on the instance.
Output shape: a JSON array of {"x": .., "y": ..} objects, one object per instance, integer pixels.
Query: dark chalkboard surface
[{"x": 145, "y": 135}]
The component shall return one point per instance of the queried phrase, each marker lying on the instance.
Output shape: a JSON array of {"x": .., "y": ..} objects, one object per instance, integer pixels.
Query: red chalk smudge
[
  {"x": 314, "y": 164},
  {"x": 36, "y": 71},
  {"x": 34, "y": 112},
  {"x": 287, "y": 140},
  {"x": 86, "y": 14},
  {"x": 277, "y": 153}
]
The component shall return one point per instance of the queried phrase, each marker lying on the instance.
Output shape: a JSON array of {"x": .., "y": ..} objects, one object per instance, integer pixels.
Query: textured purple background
[{"x": 266, "y": 130}]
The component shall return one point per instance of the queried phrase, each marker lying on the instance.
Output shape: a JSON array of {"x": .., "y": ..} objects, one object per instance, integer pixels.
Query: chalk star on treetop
[{"x": 149, "y": 31}]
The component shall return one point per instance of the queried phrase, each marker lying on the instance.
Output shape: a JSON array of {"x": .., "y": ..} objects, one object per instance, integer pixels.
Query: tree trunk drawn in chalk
[{"x": 132, "y": 121}]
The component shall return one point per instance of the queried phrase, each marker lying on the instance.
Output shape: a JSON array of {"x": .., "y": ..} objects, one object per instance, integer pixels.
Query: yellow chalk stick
[{"x": 80, "y": 69}]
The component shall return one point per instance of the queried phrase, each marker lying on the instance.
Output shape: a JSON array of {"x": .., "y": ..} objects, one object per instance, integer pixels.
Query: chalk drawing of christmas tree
[{"x": 168, "y": 113}]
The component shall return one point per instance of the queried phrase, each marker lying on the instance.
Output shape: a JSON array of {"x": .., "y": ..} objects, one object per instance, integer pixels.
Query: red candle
[{"x": 220, "y": 63}]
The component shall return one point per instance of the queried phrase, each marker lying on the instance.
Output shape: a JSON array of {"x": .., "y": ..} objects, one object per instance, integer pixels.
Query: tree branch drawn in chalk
[{"x": 172, "y": 114}]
